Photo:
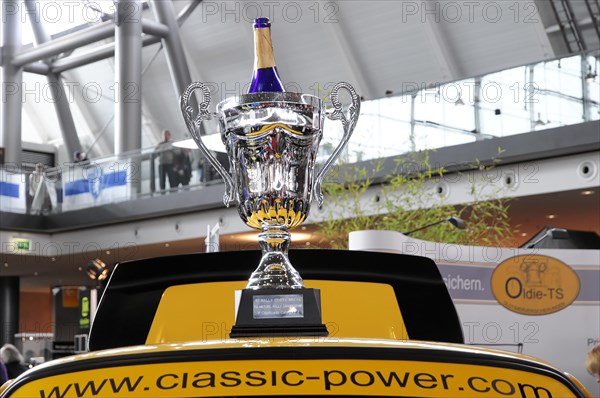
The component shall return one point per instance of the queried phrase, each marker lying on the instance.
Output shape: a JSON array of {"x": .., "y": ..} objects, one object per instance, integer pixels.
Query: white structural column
[
  {"x": 11, "y": 81},
  {"x": 178, "y": 66},
  {"x": 60, "y": 99},
  {"x": 128, "y": 76}
]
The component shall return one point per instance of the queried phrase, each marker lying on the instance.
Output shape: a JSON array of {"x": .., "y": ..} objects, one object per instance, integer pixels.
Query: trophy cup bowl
[{"x": 272, "y": 140}]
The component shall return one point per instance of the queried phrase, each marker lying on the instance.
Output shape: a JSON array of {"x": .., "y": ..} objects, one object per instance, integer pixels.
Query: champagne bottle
[{"x": 264, "y": 75}]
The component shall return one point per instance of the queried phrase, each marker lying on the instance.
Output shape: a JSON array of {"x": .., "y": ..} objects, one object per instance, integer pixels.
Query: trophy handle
[
  {"x": 347, "y": 123},
  {"x": 193, "y": 125}
]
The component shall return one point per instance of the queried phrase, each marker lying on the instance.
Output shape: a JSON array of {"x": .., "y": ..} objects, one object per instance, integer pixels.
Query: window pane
[
  {"x": 383, "y": 129},
  {"x": 431, "y": 137},
  {"x": 560, "y": 111},
  {"x": 449, "y": 108},
  {"x": 505, "y": 98}
]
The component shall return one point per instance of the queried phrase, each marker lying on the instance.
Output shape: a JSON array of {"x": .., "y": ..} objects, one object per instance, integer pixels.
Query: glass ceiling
[{"x": 514, "y": 101}]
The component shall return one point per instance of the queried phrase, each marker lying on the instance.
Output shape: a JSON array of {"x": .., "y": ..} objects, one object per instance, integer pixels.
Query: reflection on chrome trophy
[{"x": 272, "y": 139}]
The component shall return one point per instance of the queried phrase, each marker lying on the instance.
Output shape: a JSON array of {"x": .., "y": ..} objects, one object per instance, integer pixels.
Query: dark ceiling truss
[
  {"x": 571, "y": 23},
  {"x": 593, "y": 7}
]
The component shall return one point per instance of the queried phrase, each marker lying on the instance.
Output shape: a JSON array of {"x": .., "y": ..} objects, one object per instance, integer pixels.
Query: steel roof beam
[
  {"x": 11, "y": 77},
  {"x": 65, "y": 43},
  {"x": 97, "y": 54},
  {"x": 174, "y": 52},
  {"x": 59, "y": 97},
  {"x": 78, "y": 39},
  {"x": 39, "y": 68},
  {"x": 349, "y": 58},
  {"x": 449, "y": 67}
]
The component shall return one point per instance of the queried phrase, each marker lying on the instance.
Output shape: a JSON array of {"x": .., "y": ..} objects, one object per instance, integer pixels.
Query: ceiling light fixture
[
  {"x": 587, "y": 193},
  {"x": 551, "y": 216},
  {"x": 97, "y": 270},
  {"x": 590, "y": 77}
]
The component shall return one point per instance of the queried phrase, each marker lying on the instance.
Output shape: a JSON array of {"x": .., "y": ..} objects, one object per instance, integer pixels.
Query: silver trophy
[{"x": 272, "y": 139}]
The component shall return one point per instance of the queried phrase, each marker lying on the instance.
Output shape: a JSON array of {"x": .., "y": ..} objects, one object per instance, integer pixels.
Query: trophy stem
[{"x": 275, "y": 270}]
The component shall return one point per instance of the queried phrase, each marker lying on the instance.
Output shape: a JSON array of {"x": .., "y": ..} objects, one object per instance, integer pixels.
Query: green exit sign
[{"x": 22, "y": 244}]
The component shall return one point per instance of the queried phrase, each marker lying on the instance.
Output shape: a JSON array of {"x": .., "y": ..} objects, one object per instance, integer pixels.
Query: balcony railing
[
  {"x": 529, "y": 98},
  {"x": 128, "y": 176}
]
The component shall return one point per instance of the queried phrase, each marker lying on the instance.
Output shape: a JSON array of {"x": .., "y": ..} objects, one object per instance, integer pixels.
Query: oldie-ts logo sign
[{"x": 534, "y": 284}]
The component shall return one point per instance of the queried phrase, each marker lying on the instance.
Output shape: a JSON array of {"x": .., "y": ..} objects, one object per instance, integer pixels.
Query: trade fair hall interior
[{"x": 485, "y": 109}]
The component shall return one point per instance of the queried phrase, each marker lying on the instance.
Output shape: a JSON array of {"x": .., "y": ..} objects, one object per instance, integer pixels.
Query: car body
[{"x": 162, "y": 330}]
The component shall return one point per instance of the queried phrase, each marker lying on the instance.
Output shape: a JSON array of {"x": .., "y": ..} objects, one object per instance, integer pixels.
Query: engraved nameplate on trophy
[{"x": 277, "y": 306}]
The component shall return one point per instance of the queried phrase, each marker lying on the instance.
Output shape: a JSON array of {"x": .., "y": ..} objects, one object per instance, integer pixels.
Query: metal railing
[
  {"x": 529, "y": 98},
  {"x": 129, "y": 176}
]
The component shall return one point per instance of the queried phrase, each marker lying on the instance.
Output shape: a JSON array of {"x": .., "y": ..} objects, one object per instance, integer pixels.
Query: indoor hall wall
[{"x": 35, "y": 311}]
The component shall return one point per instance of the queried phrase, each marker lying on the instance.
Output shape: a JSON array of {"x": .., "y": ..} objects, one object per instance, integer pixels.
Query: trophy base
[{"x": 278, "y": 313}]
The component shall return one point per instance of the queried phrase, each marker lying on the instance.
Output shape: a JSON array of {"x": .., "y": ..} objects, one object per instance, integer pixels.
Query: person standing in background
[
  {"x": 3, "y": 373},
  {"x": 202, "y": 166},
  {"x": 166, "y": 158},
  {"x": 183, "y": 167},
  {"x": 592, "y": 363},
  {"x": 80, "y": 157},
  {"x": 13, "y": 360}
]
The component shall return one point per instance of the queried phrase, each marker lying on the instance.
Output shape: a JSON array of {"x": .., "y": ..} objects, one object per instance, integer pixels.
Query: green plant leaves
[{"x": 404, "y": 201}]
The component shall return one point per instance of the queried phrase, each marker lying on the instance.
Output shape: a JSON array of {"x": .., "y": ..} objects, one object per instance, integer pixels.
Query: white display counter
[{"x": 543, "y": 302}]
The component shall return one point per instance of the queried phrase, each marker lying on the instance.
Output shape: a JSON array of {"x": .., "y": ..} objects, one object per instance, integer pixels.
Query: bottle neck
[{"x": 263, "y": 49}]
